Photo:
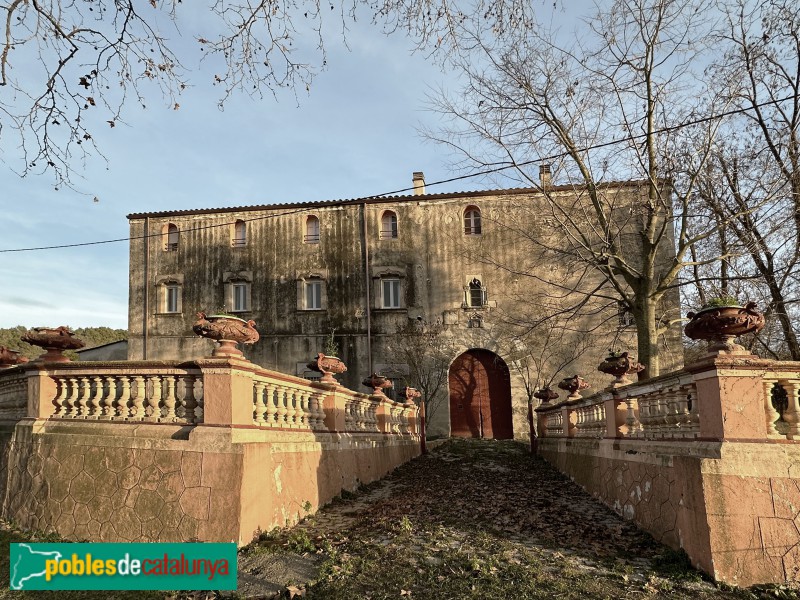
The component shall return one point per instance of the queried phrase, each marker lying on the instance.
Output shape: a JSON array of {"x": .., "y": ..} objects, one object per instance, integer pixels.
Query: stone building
[{"x": 464, "y": 270}]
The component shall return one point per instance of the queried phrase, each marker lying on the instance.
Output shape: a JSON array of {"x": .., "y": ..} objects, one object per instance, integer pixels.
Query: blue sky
[{"x": 354, "y": 135}]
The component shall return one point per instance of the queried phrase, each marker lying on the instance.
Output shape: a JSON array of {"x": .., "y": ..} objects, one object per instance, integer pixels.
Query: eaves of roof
[{"x": 376, "y": 200}]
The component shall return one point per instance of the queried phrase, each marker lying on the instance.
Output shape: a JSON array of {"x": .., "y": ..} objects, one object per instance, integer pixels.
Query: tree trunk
[{"x": 647, "y": 337}]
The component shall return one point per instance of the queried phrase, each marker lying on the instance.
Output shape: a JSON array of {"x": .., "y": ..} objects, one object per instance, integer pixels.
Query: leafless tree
[
  {"x": 427, "y": 350},
  {"x": 752, "y": 180},
  {"x": 543, "y": 355},
  {"x": 624, "y": 101},
  {"x": 67, "y": 68}
]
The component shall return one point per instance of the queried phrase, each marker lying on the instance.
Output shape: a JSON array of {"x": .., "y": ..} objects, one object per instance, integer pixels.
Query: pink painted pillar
[
  {"x": 227, "y": 392},
  {"x": 730, "y": 397},
  {"x": 616, "y": 412},
  {"x": 570, "y": 418},
  {"x": 41, "y": 393}
]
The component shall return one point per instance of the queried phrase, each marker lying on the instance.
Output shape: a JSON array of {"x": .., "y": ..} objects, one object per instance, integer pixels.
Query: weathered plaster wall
[
  {"x": 734, "y": 507},
  {"x": 119, "y": 482},
  {"x": 125, "y": 482}
]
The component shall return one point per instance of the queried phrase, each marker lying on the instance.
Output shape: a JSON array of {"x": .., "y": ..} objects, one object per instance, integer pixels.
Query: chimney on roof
[
  {"x": 544, "y": 176},
  {"x": 418, "y": 179}
]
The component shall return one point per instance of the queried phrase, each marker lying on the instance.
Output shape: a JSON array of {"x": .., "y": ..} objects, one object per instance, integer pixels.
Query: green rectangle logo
[{"x": 88, "y": 566}]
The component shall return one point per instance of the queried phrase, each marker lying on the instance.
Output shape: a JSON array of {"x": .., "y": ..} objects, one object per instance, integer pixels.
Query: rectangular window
[
  {"x": 476, "y": 297},
  {"x": 391, "y": 293},
  {"x": 313, "y": 295},
  {"x": 240, "y": 297},
  {"x": 172, "y": 299}
]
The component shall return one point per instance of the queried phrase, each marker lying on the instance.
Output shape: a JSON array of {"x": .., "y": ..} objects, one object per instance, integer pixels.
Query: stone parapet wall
[
  {"x": 146, "y": 483},
  {"x": 106, "y": 452},
  {"x": 733, "y": 507},
  {"x": 700, "y": 458}
]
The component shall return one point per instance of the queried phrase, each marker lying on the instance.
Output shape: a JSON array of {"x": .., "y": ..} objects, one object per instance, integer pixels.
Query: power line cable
[{"x": 512, "y": 165}]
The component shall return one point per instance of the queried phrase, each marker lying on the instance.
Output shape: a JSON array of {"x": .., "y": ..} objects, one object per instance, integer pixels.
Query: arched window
[
  {"x": 239, "y": 234},
  {"x": 170, "y": 294},
  {"x": 477, "y": 293},
  {"x": 312, "y": 230},
  {"x": 172, "y": 236},
  {"x": 472, "y": 221},
  {"x": 388, "y": 225}
]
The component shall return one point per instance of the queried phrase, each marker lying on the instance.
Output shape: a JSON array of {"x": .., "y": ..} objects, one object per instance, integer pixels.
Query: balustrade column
[
  {"x": 169, "y": 399},
  {"x": 270, "y": 408},
  {"x": 684, "y": 416},
  {"x": 283, "y": 400},
  {"x": 792, "y": 413},
  {"x": 770, "y": 413},
  {"x": 631, "y": 422},
  {"x": 62, "y": 407},
  {"x": 93, "y": 404},
  {"x": 107, "y": 412},
  {"x": 122, "y": 410},
  {"x": 259, "y": 405},
  {"x": 137, "y": 410},
  {"x": 198, "y": 390},
  {"x": 672, "y": 416}
]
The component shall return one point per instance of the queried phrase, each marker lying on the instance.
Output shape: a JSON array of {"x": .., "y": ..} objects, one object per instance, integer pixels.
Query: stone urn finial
[
  {"x": 227, "y": 331},
  {"x": 328, "y": 366},
  {"x": 619, "y": 364},
  {"x": 545, "y": 394},
  {"x": 9, "y": 357},
  {"x": 378, "y": 383},
  {"x": 573, "y": 385},
  {"x": 721, "y": 325},
  {"x": 54, "y": 340},
  {"x": 408, "y": 395}
]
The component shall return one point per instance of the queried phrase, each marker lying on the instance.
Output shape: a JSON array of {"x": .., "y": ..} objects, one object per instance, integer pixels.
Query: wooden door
[{"x": 480, "y": 396}]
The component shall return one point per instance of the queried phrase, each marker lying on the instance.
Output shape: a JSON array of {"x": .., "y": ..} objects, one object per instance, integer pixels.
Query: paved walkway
[{"x": 474, "y": 519}]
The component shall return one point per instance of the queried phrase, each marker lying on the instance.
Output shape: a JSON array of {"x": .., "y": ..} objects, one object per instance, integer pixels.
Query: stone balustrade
[
  {"x": 590, "y": 420},
  {"x": 287, "y": 404},
  {"x": 158, "y": 394},
  {"x": 171, "y": 392},
  {"x": 360, "y": 413},
  {"x": 661, "y": 408},
  {"x": 214, "y": 449},
  {"x": 13, "y": 394},
  {"x": 705, "y": 459},
  {"x": 554, "y": 424}
]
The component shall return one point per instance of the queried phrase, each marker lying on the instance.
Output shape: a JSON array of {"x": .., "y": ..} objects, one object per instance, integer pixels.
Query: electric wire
[{"x": 502, "y": 167}]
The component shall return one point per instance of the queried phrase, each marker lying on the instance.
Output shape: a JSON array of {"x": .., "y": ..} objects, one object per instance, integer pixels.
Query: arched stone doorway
[{"x": 480, "y": 396}]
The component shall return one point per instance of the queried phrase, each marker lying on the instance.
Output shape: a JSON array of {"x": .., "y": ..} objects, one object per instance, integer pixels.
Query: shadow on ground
[{"x": 477, "y": 519}]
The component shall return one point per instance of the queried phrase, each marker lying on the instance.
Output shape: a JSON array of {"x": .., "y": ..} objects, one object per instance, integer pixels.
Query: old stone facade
[{"x": 356, "y": 272}]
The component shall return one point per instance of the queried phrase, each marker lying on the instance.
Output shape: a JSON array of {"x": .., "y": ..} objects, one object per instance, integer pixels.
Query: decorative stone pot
[
  {"x": 328, "y": 366},
  {"x": 227, "y": 331},
  {"x": 619, "y": 365},
  {"x": 54, "y": 340},
  {"x": 545, "y": 394},
  {"x": 720, "y": 325},
  {"x": 9, "y": 357},
  {"x": 378, "y": 383},
  {"x": 408, "y": 395},
  {"x": 573, "y": 385}
]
